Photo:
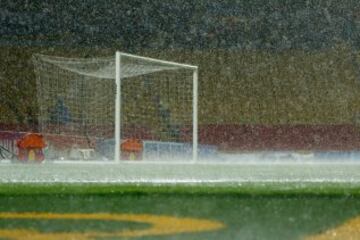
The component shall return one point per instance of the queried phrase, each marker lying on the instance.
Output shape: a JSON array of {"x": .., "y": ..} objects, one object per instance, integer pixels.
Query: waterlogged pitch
[
  {"x": 311, "y": 212},
  {"x": 181, "y": 119}
]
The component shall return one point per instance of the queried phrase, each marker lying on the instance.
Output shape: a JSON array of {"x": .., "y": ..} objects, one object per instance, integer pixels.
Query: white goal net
[{"x": 109, "y": 108}]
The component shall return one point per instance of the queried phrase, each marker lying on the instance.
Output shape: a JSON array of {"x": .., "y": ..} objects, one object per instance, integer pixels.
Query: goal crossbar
[{"x": 159, "y": 61}]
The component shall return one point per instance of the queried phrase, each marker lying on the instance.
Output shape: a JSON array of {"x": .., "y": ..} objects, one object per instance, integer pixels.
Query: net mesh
[{"x": 76, "y": 99}]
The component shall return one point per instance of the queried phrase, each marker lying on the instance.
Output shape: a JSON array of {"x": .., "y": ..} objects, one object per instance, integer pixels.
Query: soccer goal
[{"x": 112, "y": 108}]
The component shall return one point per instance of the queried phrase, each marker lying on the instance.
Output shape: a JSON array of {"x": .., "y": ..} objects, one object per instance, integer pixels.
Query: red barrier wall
[{"x": 234, "y": 137}]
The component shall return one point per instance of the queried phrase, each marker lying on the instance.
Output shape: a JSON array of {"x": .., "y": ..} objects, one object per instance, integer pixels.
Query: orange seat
[
  {"x": 31, "y": 140},
  {"x": 132, "y": 145},
  {"x": 131, "y": 149},
  {"x": 30, "y": 147}
]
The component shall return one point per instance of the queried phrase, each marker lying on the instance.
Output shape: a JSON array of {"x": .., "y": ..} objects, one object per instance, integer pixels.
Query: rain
[{"x": 278, "y": 87}]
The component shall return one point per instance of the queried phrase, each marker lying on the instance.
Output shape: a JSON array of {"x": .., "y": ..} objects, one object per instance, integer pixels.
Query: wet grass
[
  {"x": 250, "y": 189},
  {"x": 249, "y": 211}
]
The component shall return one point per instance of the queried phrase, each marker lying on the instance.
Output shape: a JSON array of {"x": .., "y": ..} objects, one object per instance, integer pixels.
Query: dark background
[{"x": 133, "y": 25}]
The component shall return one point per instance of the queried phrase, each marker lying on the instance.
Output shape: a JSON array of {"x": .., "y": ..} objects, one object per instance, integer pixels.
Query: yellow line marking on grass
[
  {"x": 350, "y": 230},
  {"x": 159, "y": 225}
]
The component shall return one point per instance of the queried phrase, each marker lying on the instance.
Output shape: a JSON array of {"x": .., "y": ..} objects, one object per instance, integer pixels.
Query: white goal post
[{"x": 91, "y": 104}]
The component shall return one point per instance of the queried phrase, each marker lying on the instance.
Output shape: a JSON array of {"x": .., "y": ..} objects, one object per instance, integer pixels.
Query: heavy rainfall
[{"x": 278, "y": 89}]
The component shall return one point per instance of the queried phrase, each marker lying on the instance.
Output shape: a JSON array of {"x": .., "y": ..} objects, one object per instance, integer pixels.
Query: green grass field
[
  {"x": 246, "y": 211},
  {"x": 83, "y": 201}
]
